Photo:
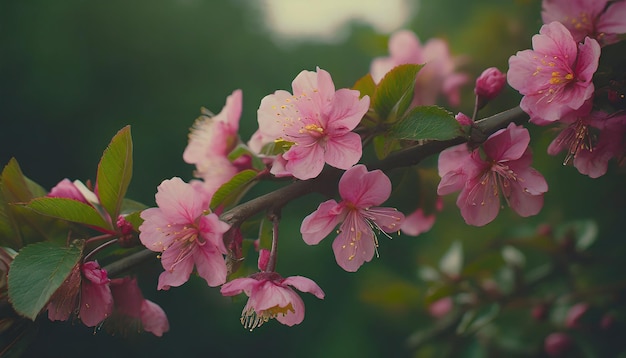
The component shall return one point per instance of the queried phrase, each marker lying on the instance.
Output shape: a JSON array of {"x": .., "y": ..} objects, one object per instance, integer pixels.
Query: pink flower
[
  {"x": 66, "y": 189},
  {"x": 315, "y": 123},
  {"x": 436, "y": 77},
  {"x": 591, "y": 141},
  {"x": 96, "y": 301},
  {"x": 555, "y": 77},
  {"x": 211, "y": 139},
  {"x": 271, "y": 297},
  {"x": 86, "y": 291},
  {"x": 186, "y": 235},
  {"x": 356, "y": 243},
  {"x": 133, "y": 310},
  {"x": 505, "y": 172},
  {"x": 591, "y": 18},
  {"x": 489, "y": 85}
]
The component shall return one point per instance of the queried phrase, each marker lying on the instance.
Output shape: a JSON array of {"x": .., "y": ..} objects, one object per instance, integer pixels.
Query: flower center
[
  {"x": 581, "y": 22},
  {"x": 250, "y": 319},
  {"x": 557, "y": 78}
]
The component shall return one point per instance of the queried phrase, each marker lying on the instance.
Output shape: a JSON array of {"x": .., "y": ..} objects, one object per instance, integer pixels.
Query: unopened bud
[
  {"x": 264, "y": 258},
  {"x": 540, "y": 312},
  {"x": 574, "y": 315},
  {"x": 441, "y": 307},
  {"x": 557, "y": 344},
  {"x": 463, "y": 119},
  {"x": 489, "y": 85}
]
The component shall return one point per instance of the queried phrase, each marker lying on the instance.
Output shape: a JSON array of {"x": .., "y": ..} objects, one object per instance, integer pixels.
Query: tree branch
[{"x": 275, "y": 200}]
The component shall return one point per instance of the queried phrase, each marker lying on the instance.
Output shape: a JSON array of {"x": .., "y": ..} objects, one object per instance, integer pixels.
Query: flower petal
[
  {"x": 364, "y": 189},
  {"x": 304, "y": 284},
  {"x": 317, "y": 225}
]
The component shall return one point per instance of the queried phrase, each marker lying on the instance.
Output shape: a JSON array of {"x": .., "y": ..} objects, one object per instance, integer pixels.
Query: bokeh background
[{"x": 74, "y": 72}]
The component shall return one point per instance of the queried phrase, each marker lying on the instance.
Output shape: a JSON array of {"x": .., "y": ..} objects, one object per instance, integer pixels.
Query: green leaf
[
  {"x": 37, "y": 271},
  {"x": 232, "y": 191},
  {"x": 19, "y": 226},
  {"x": 475, "y": 319},
  {"x": 70, "y": 210},
  {"x": 16, "y": 187},
  {"x": 366, "y": 86},
  {"x": 134, "y": 219},
  {"x": 130, "y": 206},
  {"x": 384, "y": 145},
  {"x": 242, "y": 150},
  {"x": 276, "y": 147},
  {"x": 395, "y": 91},
  {"x": 115, "y": 171},
  {"x": 426, "y": 122}
]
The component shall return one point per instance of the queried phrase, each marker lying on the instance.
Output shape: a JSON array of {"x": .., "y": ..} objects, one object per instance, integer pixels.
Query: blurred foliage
[{"x": 74, "y": 72}]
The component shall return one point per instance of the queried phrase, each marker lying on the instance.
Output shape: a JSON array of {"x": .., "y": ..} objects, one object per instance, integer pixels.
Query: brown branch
[{"x": 277, "y": 199}]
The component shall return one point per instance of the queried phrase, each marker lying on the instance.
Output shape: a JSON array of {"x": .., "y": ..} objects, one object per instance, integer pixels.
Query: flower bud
[
  {"x": 264, "y": 258},
  {"x": 441, "y": 307},
  {"x": 540, "y": 312},
  {"x": 557, "y": 344},
  {"x": 489, "y": 85},
  {"x": 574, "y": 315},
  {"x": 463, "y": 119}
]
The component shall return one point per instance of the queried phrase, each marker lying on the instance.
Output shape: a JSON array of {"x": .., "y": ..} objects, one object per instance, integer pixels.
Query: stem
[
  {"x": 98, "y": 238},
  {"x": 271, "y": 264},
  {"x": 98, "y": 249}
]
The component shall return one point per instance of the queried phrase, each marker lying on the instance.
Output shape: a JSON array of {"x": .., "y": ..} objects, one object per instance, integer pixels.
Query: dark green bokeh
[{"x": 74, "y": 72}]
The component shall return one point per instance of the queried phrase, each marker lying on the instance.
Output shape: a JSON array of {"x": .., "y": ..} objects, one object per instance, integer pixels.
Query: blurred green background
[{"x": 74, "y": 72}]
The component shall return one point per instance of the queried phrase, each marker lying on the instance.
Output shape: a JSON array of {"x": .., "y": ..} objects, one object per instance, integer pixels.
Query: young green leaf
[
  {"x": 37, "y": 271},
  {"x": 70, "y": 210},
  {"x": 230, "y": 192},
  {"x": 366, "y": 86},
  {"x": 242, "y": 150},
  {"x": 426, "y": 122},
  {"x": 19, "y": 226},
  {"x": 115, "y": 171},
  {"x": 395, "y": 91}
]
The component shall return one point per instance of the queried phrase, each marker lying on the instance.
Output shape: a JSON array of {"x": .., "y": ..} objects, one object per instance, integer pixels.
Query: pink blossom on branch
[
  {"x": 438, "y": 75},
  {"x": 555, "y": 77},
  {"x": 185, "y": 234},
  {"x": 358, "y": 214},
  {"x": 133, "y": 311},
  {"x": 503, "y": 173},
  {"x": 271, "y": 296},
  {"x": 316, "y": 121},
  {"x": 591, "y": 18},
  {"x": 591, "y": 141},
  {"x": 212, "y": 138},
  {"x": 96, "y": 301}
]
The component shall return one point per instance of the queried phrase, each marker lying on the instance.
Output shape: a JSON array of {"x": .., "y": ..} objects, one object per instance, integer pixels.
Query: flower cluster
[
  {"x": 556, "y": 76},
  {"x": 501, "y": 172},
  {"x": 439, "y": 74}
]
